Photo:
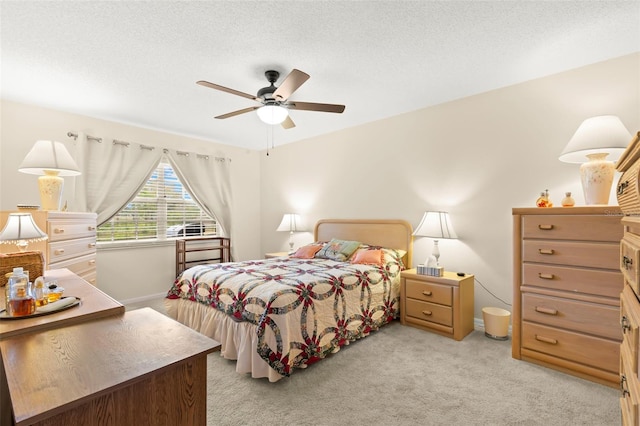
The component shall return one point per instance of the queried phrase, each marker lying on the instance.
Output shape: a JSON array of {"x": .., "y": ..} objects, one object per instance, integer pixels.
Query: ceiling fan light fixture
[{"x": 272, "y": 114}]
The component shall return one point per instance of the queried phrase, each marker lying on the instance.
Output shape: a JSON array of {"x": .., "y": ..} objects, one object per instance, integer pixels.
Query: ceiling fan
[{"x": 275, "y": 100}]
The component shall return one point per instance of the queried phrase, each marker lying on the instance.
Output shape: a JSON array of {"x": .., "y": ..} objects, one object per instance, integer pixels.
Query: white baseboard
[
  {"x": 143, "y": 298},
  {"x": 478, "y": 324}
]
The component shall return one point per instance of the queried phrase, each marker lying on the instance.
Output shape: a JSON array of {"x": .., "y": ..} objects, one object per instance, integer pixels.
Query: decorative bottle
[
  {"x": 543, "y": 199},
  {"x": 20, "y": 299},
  {"x": 568, "y": 200}
]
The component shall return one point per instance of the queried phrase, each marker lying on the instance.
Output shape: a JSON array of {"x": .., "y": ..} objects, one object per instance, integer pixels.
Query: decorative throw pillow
[
  {"x": 338, "y": 250},
  {"x": 388, "y": 255},
  {"x": 368, "y": 257},
  {"x": 307, "y": 252}
]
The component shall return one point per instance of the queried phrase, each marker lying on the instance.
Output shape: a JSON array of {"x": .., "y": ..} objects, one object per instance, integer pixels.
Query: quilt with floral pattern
[{"x": 304, "y": 309}]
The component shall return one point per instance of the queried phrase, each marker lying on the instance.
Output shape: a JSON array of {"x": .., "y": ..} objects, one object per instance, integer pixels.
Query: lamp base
[
  {"x": 50, "y": 186},
  {"x": 597, "y": 178}
]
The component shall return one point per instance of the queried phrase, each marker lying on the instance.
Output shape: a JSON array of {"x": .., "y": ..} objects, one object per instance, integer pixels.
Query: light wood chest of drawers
[
  {"x": 443, "y": 305},
  {"x": 628, "y": 195},
  {"x": 567, "y": 284},
  {"x": 630, "y": 322},
  {"x": 71, "y": 243}
]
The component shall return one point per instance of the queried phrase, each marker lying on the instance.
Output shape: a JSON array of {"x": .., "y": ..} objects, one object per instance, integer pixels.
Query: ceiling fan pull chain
[{"x": 267, "y": 141}]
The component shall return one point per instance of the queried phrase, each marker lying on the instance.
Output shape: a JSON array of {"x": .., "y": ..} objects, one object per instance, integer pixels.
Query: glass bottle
[
  {"x": 543, "y": 199},
  {"x": 40, "y": 292},
  {"x": 568, "y": 200},
  {"x": 20, "y": 298}
]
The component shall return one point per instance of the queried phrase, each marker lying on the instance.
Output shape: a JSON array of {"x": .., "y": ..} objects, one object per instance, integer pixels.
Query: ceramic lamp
[
  {"x": 51, "y": 160},
  {"x": 290, "y": 222},
  {"x": 436, "y": 225},
  {"x": 597, "y": 144}
]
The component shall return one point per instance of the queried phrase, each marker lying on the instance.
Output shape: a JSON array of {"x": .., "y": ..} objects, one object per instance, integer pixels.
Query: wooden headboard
[{"x": 390, "y": 233}]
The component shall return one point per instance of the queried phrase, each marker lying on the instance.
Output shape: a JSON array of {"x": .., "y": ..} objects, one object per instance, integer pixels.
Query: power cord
[{"x": 488, "y": 291}]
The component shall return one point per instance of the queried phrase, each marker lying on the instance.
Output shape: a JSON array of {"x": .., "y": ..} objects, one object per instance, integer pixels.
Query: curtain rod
[
  {"x": 89, "y": 137},
  {"x": 74, "y": 135}
]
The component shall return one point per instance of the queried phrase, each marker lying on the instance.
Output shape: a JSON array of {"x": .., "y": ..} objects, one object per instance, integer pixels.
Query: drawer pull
[
  {"x": 626, "y": 262},
  {"x": 545, "y": 251},
  {"x": 92, "y": 245},
  {"x": 427, "y": 313},
  {"x": 545, "y": 227},
  {"x": 624, "y": 322},
  {"x": 58, "y": 251},
  {"x": 58, "y": 230},
  {"x": 545, "y": 276},
  {"x": 623, "y": 386},
  {"x": 548, "y": 311},
  {"x": 427, "y": 293},
  {"x": 546, "y": 340},
  {"x": 92, "y": 262},
  {"x": 91, "y": 228},
  {"x": 622, "y": 186}
]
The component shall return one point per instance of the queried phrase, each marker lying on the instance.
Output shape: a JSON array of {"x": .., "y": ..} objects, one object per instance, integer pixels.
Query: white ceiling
[{"x": 137, "y": 62}]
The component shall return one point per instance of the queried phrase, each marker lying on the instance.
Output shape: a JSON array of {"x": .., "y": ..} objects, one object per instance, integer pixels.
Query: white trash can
[{"x": 496, "y": 323}]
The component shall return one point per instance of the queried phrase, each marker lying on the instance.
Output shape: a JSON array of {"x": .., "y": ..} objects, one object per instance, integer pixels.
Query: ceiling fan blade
[
  {"x": 238, "y": 112},
  {"x": 294, "y": 80},
  {"x": 226, "y": 89},
  {"x": 288, "y": 123},
  {"x": 311, "y": 106}
]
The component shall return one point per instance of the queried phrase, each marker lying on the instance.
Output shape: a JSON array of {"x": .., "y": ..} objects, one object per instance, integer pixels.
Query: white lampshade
[
  {"x": 291, "y": 222},
  {"x": 272, "y": 114},
  {"x": 597, "y": 135},
  {"x": 597, "y": 144},
  {"x": 435, "y": 225},
  {"x": 51, "y": 160},
  {"x": 21, "y": 230},
  {"x": 49, "y": 155}
]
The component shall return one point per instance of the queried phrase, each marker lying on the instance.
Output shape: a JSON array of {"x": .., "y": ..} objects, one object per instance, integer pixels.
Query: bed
[{"x": 276, "y": 315}]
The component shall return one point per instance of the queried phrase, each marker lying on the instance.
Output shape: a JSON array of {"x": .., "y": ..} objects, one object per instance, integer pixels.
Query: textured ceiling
[{"x": 137, "y": 62}]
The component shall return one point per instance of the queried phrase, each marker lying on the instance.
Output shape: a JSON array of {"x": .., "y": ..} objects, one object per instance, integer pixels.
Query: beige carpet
[{"x": 404, "y": 376}]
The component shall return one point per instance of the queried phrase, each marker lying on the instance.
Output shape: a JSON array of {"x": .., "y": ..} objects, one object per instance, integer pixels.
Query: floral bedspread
[{"x": 304, "y": 309}]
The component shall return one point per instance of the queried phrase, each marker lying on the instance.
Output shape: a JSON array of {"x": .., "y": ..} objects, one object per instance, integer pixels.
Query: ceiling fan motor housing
[{"x": 266, "y": 92}]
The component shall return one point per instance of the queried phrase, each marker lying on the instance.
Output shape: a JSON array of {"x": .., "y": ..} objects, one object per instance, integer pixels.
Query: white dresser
[{"x": 71, "y": 243}]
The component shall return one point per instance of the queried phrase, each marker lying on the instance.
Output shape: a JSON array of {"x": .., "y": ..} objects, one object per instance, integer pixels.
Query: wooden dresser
[
  {"x": 71, "y": 243},
  {"x": 629, "y": 200},
  {"x": 566, "y": 289}
]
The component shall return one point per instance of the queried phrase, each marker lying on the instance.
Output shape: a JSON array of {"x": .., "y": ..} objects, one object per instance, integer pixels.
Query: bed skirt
[{"x": 238, "y": 340}]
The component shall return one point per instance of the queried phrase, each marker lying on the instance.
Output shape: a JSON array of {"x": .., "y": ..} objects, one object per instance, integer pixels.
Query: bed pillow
[
  {"x": 368, "y": 257},
  {"x": 388, "y": 254},
  {"x": 338, "y": 250},
  {"x": 307, "y": 252}
]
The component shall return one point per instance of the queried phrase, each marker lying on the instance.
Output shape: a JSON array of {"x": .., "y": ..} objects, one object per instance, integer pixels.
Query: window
[{"x": 162, "y": 209}]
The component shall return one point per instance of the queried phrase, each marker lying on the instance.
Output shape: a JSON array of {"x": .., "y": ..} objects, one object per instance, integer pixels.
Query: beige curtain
[{"x": 112, "y": 174}]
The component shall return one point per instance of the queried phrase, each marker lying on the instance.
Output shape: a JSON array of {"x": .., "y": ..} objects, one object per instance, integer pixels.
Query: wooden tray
[{"x": 4, "y": 316}]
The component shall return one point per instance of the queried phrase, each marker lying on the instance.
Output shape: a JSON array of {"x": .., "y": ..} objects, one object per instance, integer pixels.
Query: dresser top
[{"x": 579, "y": 210}]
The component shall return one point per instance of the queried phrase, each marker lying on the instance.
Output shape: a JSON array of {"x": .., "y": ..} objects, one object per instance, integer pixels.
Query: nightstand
[
  {"x": 276, "y": 254},
  {"x": 443, "y": 305}
]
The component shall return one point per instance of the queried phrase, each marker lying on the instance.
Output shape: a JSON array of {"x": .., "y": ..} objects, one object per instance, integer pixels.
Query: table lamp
[
  {"x": 290, "y": 222},
  {"x": 595, "y": 139},
  {"x": 51, "y": 160},
  {"x": 21, "y": 230},
  {"x": 436, "y": 225}
]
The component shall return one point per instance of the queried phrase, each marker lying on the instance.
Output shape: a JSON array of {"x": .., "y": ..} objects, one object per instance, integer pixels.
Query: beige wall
[
  {"x": 133, "y": 273},
  {"x": 476, "y": 157}
]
